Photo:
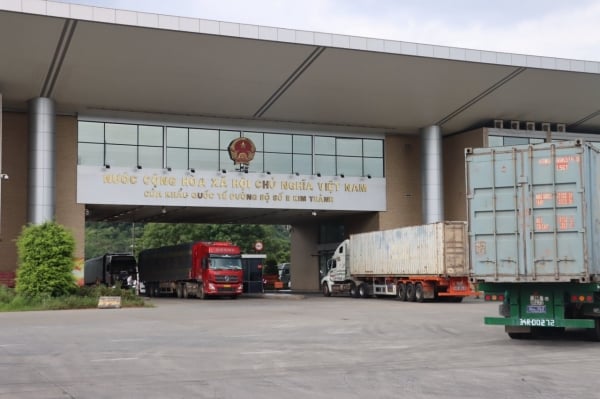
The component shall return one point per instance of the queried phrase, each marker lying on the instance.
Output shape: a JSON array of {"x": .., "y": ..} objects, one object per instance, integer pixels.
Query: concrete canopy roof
[{"x": 91, "y": 59}]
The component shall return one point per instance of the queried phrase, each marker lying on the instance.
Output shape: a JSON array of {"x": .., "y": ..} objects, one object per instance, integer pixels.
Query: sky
[{"x": 553, "y": 28}]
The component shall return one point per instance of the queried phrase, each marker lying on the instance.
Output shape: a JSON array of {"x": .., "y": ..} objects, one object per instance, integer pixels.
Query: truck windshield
[{"x": 225, "y": 263}]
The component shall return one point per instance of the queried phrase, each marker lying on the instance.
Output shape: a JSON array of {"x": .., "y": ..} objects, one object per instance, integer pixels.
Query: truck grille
[{"x": 226, "y": 279}]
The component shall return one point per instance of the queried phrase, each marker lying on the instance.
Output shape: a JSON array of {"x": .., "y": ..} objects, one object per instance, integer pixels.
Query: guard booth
[{"x": 252, "y": 265}]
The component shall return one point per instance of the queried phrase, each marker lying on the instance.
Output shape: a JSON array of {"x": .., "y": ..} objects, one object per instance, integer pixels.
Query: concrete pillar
[
  {"x": 432, "y": 188},
  {"x": 3, "y": 176},
  {"x": 42, "y": 185}
]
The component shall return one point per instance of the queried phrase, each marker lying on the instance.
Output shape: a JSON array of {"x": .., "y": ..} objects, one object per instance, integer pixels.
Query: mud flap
[{"x": 428, "y": 290}]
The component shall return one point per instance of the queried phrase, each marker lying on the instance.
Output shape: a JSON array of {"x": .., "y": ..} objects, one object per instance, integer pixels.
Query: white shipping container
[{"x": 439, "y": 249}]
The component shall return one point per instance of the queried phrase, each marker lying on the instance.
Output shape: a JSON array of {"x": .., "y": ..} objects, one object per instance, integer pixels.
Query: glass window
[
  {"x": 302, "y": 164},
  {"x": 331, "y": 233},
  {"x": 495, "y": 141},
  {"x": 278, "y": 143},
  {"x": 372, "y": 148},
  {"x": 227, "y": 136},
  {"x": 349, "y": 166},
  {"x": 509, "y": 141},
  {"x": 90, "y": 154},
  {"x": 207, "y": 149},
  {"x": 257, "y": 139},
  {"x": 177, "y": 137},
  {"x": 121, "y": 155},
  {"x": 536, "y": 141},
  {"x": 278, "y": 163},
  {"x": 302, "y": 144},
  {"x": 204, "y": 138},
  {"x": 325, "y": 145},
  {"x": 151, "y": 135},
  {"x": 177, "y": 158},
  {"x": 204, "y": 159},
  {"x": 118, "y": 133},
  {"x": 352, "y": 147},
  {"x": 374, "y": 167},
  {"x": 257, "y": 164},
  {"x": 225, "y": 161},
  {"x": 92, "y": 132},
  {"x": 325, "y": 165},
  {"x": 151, "y": 157}
]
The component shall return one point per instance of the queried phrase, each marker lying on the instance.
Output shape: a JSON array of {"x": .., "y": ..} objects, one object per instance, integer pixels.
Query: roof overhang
[{"x": 94, "y": 59}]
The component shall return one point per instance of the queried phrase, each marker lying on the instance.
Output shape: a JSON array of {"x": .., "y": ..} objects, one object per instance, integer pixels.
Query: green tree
[
  {"x": 104, "y": 237},
  {"x": 46, "y": 253},
  {"x": 275, "y": 239}
]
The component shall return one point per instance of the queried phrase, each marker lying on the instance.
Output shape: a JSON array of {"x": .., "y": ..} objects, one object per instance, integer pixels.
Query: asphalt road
[{"x": 313, "y": 348}]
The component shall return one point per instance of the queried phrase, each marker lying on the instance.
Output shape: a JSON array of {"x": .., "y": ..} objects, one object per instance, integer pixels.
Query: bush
[
  {"x": 83, "y": 298},
  {"x": 6, "y": 294},
  {"x": 45, "y": 261}
]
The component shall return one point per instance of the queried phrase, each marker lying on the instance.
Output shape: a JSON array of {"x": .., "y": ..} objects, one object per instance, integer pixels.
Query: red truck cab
[{"x": 218, "y": 267}]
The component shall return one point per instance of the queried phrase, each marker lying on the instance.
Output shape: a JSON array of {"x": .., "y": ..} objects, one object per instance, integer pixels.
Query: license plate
[
  {"x": 537, "y": 322},
  {"x": 227, "y": 286}
]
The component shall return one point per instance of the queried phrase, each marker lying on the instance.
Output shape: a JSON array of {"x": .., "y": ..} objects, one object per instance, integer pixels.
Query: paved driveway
[{"x": 313, "y": 348}]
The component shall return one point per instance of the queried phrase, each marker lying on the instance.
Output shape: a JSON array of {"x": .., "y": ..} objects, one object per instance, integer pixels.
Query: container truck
[
  {"x": 199, "y": 269},
  {"x": 411, "y": 263},
  {"x": 534, "y": 232},
  {"x": 109, "y": 269}
]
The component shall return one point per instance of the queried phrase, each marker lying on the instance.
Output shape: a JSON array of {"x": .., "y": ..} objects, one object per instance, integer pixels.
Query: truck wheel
[
  {"x": 595, "y": 332},
  {"x": 419, "y": 296},
  {"x": 410, "y": 292},
  {"x": 401, "y": 292},
  {"x": 185, "y": 293},
  {"x": 179, "y": 293},
  {"x": 326, "y": 291},
  {"x": 363, "y": 291},
  {"x": 200, "y": 293},
  {"x": 353, "y": 290}
]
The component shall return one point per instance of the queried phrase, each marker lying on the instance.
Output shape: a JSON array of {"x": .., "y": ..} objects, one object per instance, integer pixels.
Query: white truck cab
[{"x": 338, "y": 278}]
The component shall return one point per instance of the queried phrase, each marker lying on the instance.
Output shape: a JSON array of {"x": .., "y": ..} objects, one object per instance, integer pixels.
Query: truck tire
[
  {"x": 363, "y": 291},
  {"x": 179, "y": 291},
  {"x": 326, "y": 291},
  {"x": 353, "y": 291},
  {"x": 401, "y": 292},
  {"x": 410, "y": 292},
  {"x": 185, "y": 292},
  {"x": 595, "y": 332},
  {"x": 200, "y": 293},
  {"x": 419, "y": 295}
]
